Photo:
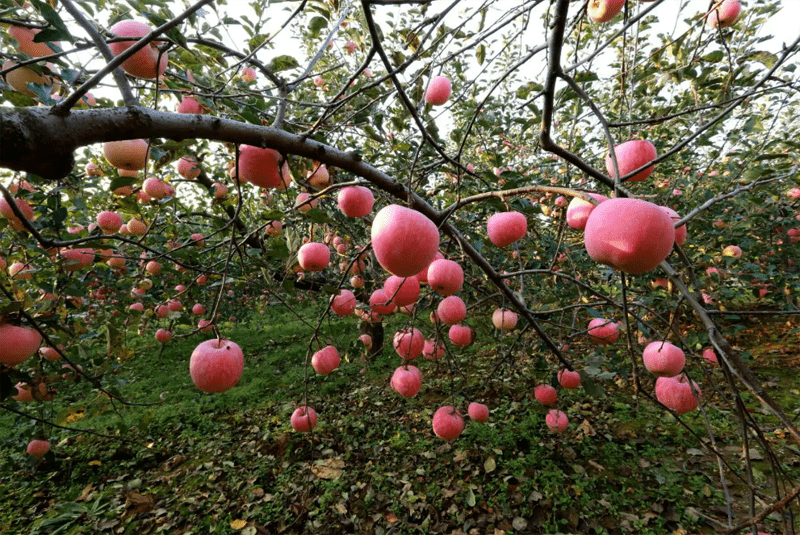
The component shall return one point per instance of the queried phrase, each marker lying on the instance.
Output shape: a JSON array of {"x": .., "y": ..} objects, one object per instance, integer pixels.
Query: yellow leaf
[
  {"x": 95, "y": 463},
  {"x": 238, "y": 524},
  {"x": 489, "y": 465}
]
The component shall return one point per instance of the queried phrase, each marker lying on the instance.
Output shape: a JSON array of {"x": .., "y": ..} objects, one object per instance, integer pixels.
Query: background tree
[{"x": 541, "y": 94}]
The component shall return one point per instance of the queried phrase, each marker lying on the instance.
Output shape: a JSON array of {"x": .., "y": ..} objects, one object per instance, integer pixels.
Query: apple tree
[{"x": 611, "y": 184}]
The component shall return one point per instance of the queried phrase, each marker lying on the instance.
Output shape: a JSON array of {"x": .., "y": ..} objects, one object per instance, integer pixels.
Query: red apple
[
  {"x": 445, "y": 277},
  {"x": 724, "y": 13},
  {"x": 604, "y": 10},
  {"x": 109, "y": 222},
  {"x": 578, "y": 211},
  {"x": 504, "y": 320},
  {"x": 452, "y": 310},
  {"x": 433, "y": 350},
  {"x": 409, "y": 343},
  {"x": 630, "y": 235},
  {"x": 406, "y": 381},
  {"x": 461, "y": 335},
  {"x": 148, "y": 62},
  {"x": 676, "y": 393},
  {"x": 632, "y": 155},
  {"x": 545, "y": 394},
  {"x": 189, "y": 104},
  {"x": 663, "y": 359},
  {"x": 447, "y": 423},
  {"x": 216, "y": 365},
  {"x": 38, "y": 448},
  {"x": 260, "y": 166},
  {"x": 314, "y": 256},
  {"x": 344, "y": 303},
  {"x": 188, "y": 168},
  {"x": 734, "y": 251},
  {"x": 17, "y": 344},
  {"x": 478, "y": 412},
  {"x": 13, "y": 220},
  {"x": 603, "y": 331},
  {"x": 325, "y": 360},
  {"x": 506, "y": 227},
  {"x": 380, "y": 302},
  {"x": 710, "y": 356},
  {"x": 404, "y": 240},
  {"x": 304, "y": 419},
  {"x": 356, "y": 201},
  {"x": 25, "y": 43},
  {"x": 439, "y": 90},
  {"x": 402, "y": 291},
  {"x": 556, "y": 421},
  {"x": 680, "y": 232},
  {"x": 568, "y": 379}
]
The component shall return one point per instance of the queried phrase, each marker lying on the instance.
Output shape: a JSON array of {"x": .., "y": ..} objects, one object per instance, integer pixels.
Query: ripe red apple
[
  {"x": 189, "y": 104},
  {"x": 220, "y": 190},
  {"x": 344, "y": 303},
  {"x": 568, "y": 379},
  {"x": 325, "y": 360},
  {"x": 153, "y": 268},
  {"x": 433, "y": 350},
  {"x": 50, "y": 353},
  {"x": 632, "y": 155},
  {"x": 188, "y": 168},
  {"x": 25, "y": 43},
  {"x": 319, "y": 177},
  {"x": 304, "y": 419},
  {"x": 461, "y": 335},
  {"x": 136, "y": 307},
  {"x": 452, "y": 310},
  {"x": 734, "y": 251},
  {"x": 205, "y": 326},
  {"x": 304, "y": 202},
  {"x": 406, "y": 381},
  {"x": 248, "y": 75},
  {"x": 24, "y": 393},
  {"x": 724, "y": 13},
  {"x": 163, "y": 336},
  {"x": 409, "y": 343},
  {"x": 447, "y": 423},
  {"x": 504, "y": 320},
  {"x": 578, "y": 211},
  {"x": 13, "y": 220},
  {"x": 403, "y": 291},
  {"x": 38, "y": 448},
  {"x": 76, "y": 259},
  {"x": 17, "y": 344},
  {"x": 680, "y": 232},
  {"x": 148, "y": 62},
  {"x": 439, "y": 90},
  {"x": 260, "y": 166},
  {"x": 366, "y": 340},
  {"x": 603, "y": 331},
  {"x": 356, "y": 201},
  {"x": 109, "y": 222},
  {"x": 545, "y": 394},
  {"x": 556, "y": 421},
  {"x": 136, "y": 227},
  {"x": 20, "y": 77},
  {"x": 380, "y": 302},
  {"x": 506, "y": 227},
  {"x": 630, "y": 235},
  {"x": 216, "y": 365},
  {"x": 663, "y": 359},
  {"x": 710, "y": 356},
  {"x": 129, "y": 154},
  {"x": 445, "y": 277},
  {"x": 314, "y": 256},
  {"x": 676, "y": 393},
  {"x": 478, "y": 412},
  {"x": 404, "y": 240},
  {"x": 198, "y": 309},
  {"x": 604, "y": 10}
]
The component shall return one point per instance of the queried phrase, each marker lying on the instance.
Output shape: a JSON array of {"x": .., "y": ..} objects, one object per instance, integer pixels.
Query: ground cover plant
[{"x": 399, "y": 266}]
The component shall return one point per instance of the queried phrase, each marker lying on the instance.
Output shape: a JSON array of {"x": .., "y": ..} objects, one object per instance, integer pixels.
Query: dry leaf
[{"x": 238, "y": 524}]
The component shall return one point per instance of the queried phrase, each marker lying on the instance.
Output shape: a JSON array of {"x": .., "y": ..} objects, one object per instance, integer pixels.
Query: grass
[{"x": 187, "y": 462}]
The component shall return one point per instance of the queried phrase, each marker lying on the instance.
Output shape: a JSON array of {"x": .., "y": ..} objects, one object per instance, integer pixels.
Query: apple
[
  {"x": 76, "y": 259},
  {"x": 304, "y": 202},
  {"x": 216, "y": 365},
  {"x": 18, "y": 344},
  {"x": 680, "y": 232},
  {"x": 568, "y": 379},
  {"x": 604, "y": 10},
  {"x": 545, "y": 394},
  {"x": 198, "y": 309},
  {"x": 24, "y": 37},
  {"x": 13, "y": 220},
  {"x": 506, "y": 227},
  {"x": 445, "y": 277},
  {"x": 248, "y": 75},
  {"x": 381, "y": 303},
  {"x": 452, "y": 310},
  {"x": 136, "y": 227},
  {"x": 20, "y": 77},
  {"x": 197, "y": 239},
  {"x": 403, "y": 291},
  {"x": 260, "y": 166},
  {"x": 409, "y": 343},
  {"x": 153, "y": 268},
  {"x": 578, "y": 210},
  {"x": 136, "y": 307},
  {"x": 355, "y": 201},
  {"x": 433, "y": 350},
  {"x": 556, "y": 421},
  {"x": 314, "y": 256},
  {"x": 274, "y": 228},
  {"x": 109, "y": 222},
  {"x": 439, "y": 90},
  {"x": 478, "y": 412},
  {"x": 163, "y": 336},
  {"x": 724, "y": 13},
  {"x": 304, "y": 419},
  {"x": 319, "y": 177},
  {"x": 447, "y": 423},
  {"x": 366, "y": 340},
  {"x": 20, "y": 271},
  {"x": 461, "y": 335},
  {"x": 406, "y": 381},
  {"x": 325, "y": 360},
  {"x": 148, "y": 62},
  {"x": 344, "y": 303},
  {"x": 220, "y": 190},
  {"x": 734, "y": 251},
  {"x": 404, "y": 240},
  {"x": 50, "y": 353},
  {"x": 630, "y": 235},
  {"x": 357, "y": 281},
  {"x": 663, "y": 359},
  {"x": 155, "y": 188},
  {"x": 205, "y": 326},
  {"x": 24, "y": 393},
  {"x": 676, "y": 393},
  {"x": 188, "y": 168},
  {"x": 350, "y": 47},
  {"x": 603, "y": 331},
  {"x": 38, "y": 448},
  {"x": 710, "y": 356},
  {"x": 422, "y": 276},
  {"x": 632, "y": 155},
  {"x": 189, "y": 104},
  {"x": 128, "y": 154},
  {"x": 504, "y": 320}
]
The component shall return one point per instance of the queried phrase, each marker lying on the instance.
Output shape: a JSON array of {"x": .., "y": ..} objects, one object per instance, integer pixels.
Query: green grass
[{"x": 189, "y": 462}]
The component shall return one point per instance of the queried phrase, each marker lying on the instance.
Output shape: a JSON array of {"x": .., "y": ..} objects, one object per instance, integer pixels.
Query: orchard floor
[{"x": 187, "y": 462}]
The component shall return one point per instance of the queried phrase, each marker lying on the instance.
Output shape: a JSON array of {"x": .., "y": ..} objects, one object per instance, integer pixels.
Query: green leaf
[
  {"x": 316, "y": 25},
  {"x": 714, "y": 57},
  {"x": 480, "y": 54},
  {"x": 489, "y": 465},
  {"x": 282, "y": 63},
  {"x": 318, "y": 216},
  {"x": 277, "y": 248},
  {"x": 471, "y": 498},
  {"x": 59, "y": 30}
]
